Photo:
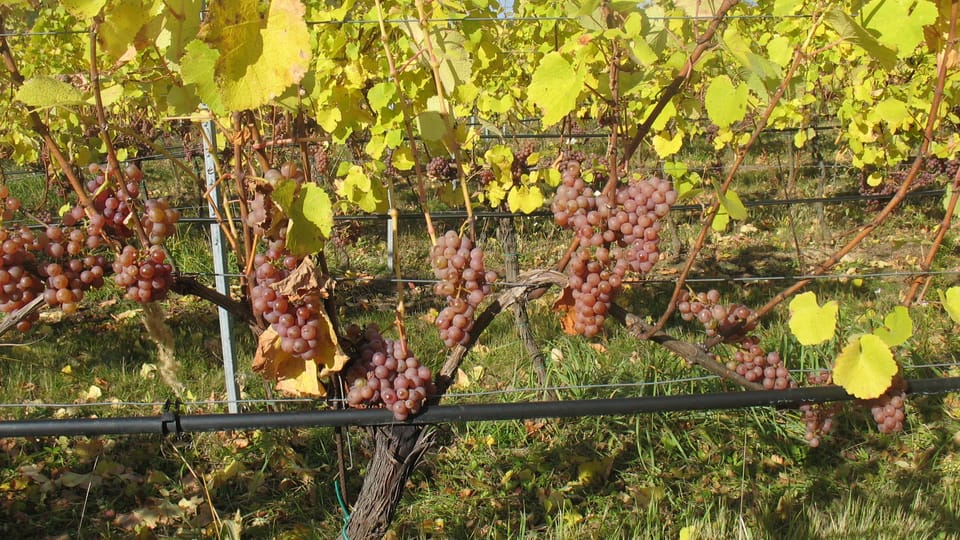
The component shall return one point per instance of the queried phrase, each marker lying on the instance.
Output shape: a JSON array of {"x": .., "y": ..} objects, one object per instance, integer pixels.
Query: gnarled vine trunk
[{"x": 398, "y": 450}]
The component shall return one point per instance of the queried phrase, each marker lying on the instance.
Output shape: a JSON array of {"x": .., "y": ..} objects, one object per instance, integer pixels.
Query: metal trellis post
[{"x": 219, "y": 251}]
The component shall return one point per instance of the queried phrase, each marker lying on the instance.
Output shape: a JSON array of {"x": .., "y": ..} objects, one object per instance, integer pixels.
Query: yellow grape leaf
[
  {"x": 667, "y": 146},
  {"x": 526, "y": 199},
  {"x": 403, "y": 158},
  {"x": 951, "y": 302},
  {"x": 811, "y": 323},
  {"x": 865, "y": 367},
  {"x": 688, "y": 533},
  {"x": 897, "y": 327}
]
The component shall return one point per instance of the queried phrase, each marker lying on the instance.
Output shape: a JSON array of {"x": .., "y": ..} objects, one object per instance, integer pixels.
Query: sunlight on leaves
[
  {"x": 811, "y": 323},
  {"x": 897, "y": 327},
  {"x": 261, "y": 54},
  {"x": 951, "y": 302},
  {"x": 865, "y": 368},
  {"x": 554, "y": 87},
  {"x": 42, "y": 92}
]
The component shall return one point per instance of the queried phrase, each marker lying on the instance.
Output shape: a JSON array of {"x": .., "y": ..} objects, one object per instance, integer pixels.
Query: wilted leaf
[
  {"x": 565, "y": 306},
  {"x": 305, "y": 279}
]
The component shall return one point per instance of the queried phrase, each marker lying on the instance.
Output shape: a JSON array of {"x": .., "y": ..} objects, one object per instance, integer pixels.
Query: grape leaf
[
  {"x": 899, "y": 23},
  {"x": 42, "y": 92},
  {"x": 726, "y": 103},
  {"x": 402, "y": 158},
  {"x": 84, "y": 9},
  {"x": 892, "y": 111},
  {"x": 118, "y": 34},
  {"x": 260, "y": 56},
  {"x": 554, "y": 87},
  {"x": 951, "y": 302},
  {"x": 865, "y": 368},
  {"x": 360, "y": 189},
  {"x": 197, "y": 71},
  {"x": 525, "y": 199},
  {"x": 811, "y": 323},
  {"x": 310, "y": 213},
  {"x": 897, "y": 327},
  {"x": 668, "y": 146},
  {"x": 731, "y": 202},
  {"x": 843, "y": 24}
]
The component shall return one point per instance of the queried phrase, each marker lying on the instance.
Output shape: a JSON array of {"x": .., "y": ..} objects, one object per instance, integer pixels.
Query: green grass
[{"x": 718, "y": 474}]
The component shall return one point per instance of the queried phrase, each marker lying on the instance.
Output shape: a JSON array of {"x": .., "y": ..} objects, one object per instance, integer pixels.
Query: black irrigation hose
[{"x": 171, "y": 422}]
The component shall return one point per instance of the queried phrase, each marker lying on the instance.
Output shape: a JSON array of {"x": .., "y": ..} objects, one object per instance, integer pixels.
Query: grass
[{"x": 718, "y": 474}]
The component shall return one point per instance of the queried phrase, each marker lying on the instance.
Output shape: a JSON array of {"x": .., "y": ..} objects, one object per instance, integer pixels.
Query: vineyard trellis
[{"x": 387, "y": 108}]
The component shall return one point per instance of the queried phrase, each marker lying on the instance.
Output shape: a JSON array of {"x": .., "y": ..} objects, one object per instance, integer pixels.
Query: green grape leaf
[
  {"x": 500, "y": 160},
  {"x": 731, "y": 202},
  {"x": 947, "y": 195},
  {"x": 310, "y": 213},
  {"x": 554, "y": 87},
  {"x": 118, "y": 34},
  {"x": 42, "y": 92},
  {"x": 84, "y": 9},
  {"x": 811, "y": 323},
  {"x": 181, "y": 23},
  {"x": 198, "y": 66},
  {"x": 360, "y": 189},
  {"x": 951, "y": 302},
  {"x": 897, "y": 327},
  {"x": 865, "y": 368},
  {"x": 726, "y": 103},
  {"x": 381, "y": 95},
  {"x": 892, "y": 111},
  {"x": 899, "y": 23},
  {"x": 260, "y": 54},
  {"x": 849, "y": 30},
  {"x": 432, "y": 126},
  {"x": 402, "y": 158},
  {"x": 525, "y": 199},
  {"x": 721, "y": 220},
  {"x": 667, "y": 146}
]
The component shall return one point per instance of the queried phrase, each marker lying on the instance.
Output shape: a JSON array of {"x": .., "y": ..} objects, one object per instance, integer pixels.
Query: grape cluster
[
  {"x": 464, "y": 283},
  {"x": 442, "y": 168},
  {"x": 159, "y": 220},
  {"x": 754, "y": 364},
  {"x": 618, "y": 234},
  {"x": 818, "y": 417},
  {"x": 113, "y": 195},
  {"x": 297, "y": 322},
  {"x": 384, "y": 373},
  {"x": 144, "y": 274},
  {"x": 932, "y": 170},
  {"x": 888, "y": 409},
  {"x": 46, "y": 262},
  {"x": 730, "y": 322}
]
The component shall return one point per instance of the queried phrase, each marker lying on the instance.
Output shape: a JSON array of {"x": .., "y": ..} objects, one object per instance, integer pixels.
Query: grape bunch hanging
[
  {"x": 617, "y": 234},
  {"x": 464, "y": 283},
  {"x": 298, "y": 321},
  {"x": 62, "y": 260},
  {"x": 384, "y": 373}
]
